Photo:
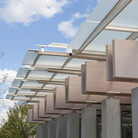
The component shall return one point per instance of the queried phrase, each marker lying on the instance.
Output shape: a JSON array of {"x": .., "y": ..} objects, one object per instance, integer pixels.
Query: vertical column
[
  {"x": 73, "y": 125},
  {"x": 111, "y": 118},
  {"x": 45, "y": 130},
  {"x": 88, "y": 123},
  {"x": 52, "y": 129},
  {"x": 39, "y": 131},
  {"x": 134, "y": 99},
  {"x": 61, "y": 129}
]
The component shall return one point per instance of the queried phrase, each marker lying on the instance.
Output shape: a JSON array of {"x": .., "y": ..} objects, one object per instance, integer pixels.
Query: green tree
[{"x": 17, "y": 126}]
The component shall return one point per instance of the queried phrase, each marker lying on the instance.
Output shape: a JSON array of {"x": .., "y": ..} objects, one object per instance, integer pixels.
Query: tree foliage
[{"x": 16, "y": 125}]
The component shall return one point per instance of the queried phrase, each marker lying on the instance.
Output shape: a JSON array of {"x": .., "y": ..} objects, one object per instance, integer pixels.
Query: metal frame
[
  {"x": 81, "y": 53},
  {"x": 109, "y": 17}
]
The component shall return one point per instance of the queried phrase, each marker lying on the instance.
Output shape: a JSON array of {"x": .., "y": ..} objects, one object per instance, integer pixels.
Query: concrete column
[
  {"x": 52, "y": 129},
  {"x": 73, "y": 125},
  {"x": 39, "y": 131},
  {"x": 134, "y": 99},
  {"x": 45, "y": 130},
  {"x": 88, "y": 123},
  {"x": 61, "y": 129},
  {"x": 111, "y": 118}
]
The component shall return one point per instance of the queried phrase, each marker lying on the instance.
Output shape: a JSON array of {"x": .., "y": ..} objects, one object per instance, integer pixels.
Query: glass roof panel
[
  {"x": 9, "y": 96},
  {"x": 25, "y": 92},
  {"x": 61, "y": 76},
  {"x": 22, "y": 72},
  {"x": 51, "y": 86},
  {"x": 30, "y": 84},
  {"x": 23, "y": 98},
  {"x": 76, "y": 63},
  {"x": 12, "y": 90},
  {"x": 97, "y": 15},
  {"x": 36, "y": 99},
  {"x": 29, "y": 58},
  {"x": 21, "y": 102},
  {"x": 104, "y": 38},
  {"x": 45, "y": 60},
  {"x": 16, "y": 82},
  {"x": 41, "y": 75},
  {"x": 128, "y": 17},
  {"x": 101, "y": 10},
  {"x": 84, "y": 31},
  {"x": 41, "y": 94}
]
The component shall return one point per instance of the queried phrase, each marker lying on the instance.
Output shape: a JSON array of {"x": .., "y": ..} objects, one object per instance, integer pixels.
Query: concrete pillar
[
  {"x": 88, "y": 123},
  {"x": 111, "y": 118},
  {"x": 45, "y": 130},
  {"x": 61, "y": 129},
  {"x": 134, "y": 99},
  {"x": 39, "y": 131},
  {"x": 73, "y": 125},
  {"x": 52, "y": 129}
]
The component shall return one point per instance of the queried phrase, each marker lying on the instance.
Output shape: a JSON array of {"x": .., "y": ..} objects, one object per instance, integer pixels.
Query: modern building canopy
[
  {"x": 42, "y": 70},
  {"x": 97, "y": 76}
]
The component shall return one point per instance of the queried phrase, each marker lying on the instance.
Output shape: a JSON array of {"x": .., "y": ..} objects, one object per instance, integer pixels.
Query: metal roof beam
[
  {"x": 109, "y": 17},
  {"x": 121, "y": 28},
  {"x": 133, "y": 36},
  {"x": 42, "y": 90},
  {"x": 90, "y": 52},
  {"x": 92, "y": 57},
  {"x": 44, "y": 81},
  {"x": 64, "y": 71},
  {"x": 30, "y": 96},
  {"x": 54, "y": 45},
  {"x": 51, "y": 53}
]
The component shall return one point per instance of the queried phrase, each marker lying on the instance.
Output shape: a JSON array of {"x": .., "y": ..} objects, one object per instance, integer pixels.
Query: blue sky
[
  {"x": 25, "y": 23},
  {"x": 16, "y": 38}
]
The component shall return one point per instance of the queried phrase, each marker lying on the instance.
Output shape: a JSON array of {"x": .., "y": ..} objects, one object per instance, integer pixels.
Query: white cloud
[
  {"x": 3, "y": 114},
  {"x": 67, "y": 27},
  {"x": 9, "y": 75},
  {"x": 5, "y": 103},
  {"x": 27, "y": 11},
  {"x": 4, "y": 108},
  {"x": 6, "y": 78},
  {"x": 78, "y": 15}
]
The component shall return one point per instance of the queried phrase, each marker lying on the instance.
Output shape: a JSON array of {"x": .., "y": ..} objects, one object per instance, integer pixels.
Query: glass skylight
[
  {"x": 29, "y": 58},
  {"x": 22, "y": 72},
  {"x": 45, "y": 60},
  {"x": 39, "y": 75}
]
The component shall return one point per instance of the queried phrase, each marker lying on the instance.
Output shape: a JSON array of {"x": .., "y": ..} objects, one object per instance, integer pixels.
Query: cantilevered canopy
[{"x": 47, "y": 69}]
